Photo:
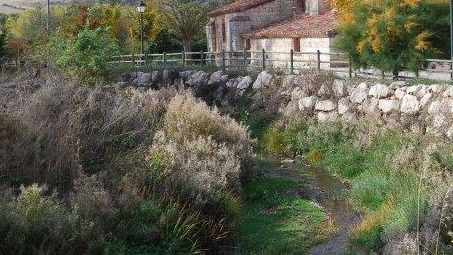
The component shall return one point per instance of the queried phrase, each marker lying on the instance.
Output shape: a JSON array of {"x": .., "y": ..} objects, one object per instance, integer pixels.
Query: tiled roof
[
  {"x": 323, "y": 25},
  {"x": 238, "y": 6}
]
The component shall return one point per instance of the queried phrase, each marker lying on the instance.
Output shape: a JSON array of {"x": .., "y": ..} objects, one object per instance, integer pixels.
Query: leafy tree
[
  {"x": 186, "y": 18},
  {"x": 86, "y": 56},
  {"x": 391, "y": 34},
  {"x": 164, "y": 42}
]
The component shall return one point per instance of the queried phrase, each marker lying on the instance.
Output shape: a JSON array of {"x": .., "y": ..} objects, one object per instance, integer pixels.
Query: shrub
[{"x": 85, "y": 57}]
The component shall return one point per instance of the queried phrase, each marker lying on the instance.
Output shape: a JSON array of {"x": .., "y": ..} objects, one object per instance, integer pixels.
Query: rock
[
  {"x": 399, "y": 93},
  {"x": 439, "y": 120},
  {"x": 397, "y": 84},
  {"x": 324, "y": 117},
  {"x": 348, "y": 117},
  {"x": 446, "y": 105},
  {"x": 231, "y": 83},
  {"x": 184, "y": 75},
  {"x": 448, "y": 92},
  {"x": 343, "y": 105},
  {"x": 165, "y": 75},
  {"x": 155, "y": 76},
  {"x": 143, "y": 79},
  {"x": 307, "y": 102},
  {"x": 425, "y": 99},
  {"x": 422, "y": 91},
  {"x": 197, "y": 79},
  {"x": 434, "y": 107},
  {"x": 297, "y": 94},
  {"x": 360, "y": 93},
  {"x": 215, "y": 77},
  {"x": 435, "y": 88},
  {"x": 412, "y": 90},
  {"x": 379, "y": 91},
  {"x": 244, "y": 83},
  {"x": 325, "y": 106},
  {"x": 410, "y": 104},
  {"x": 324, "y": 91},
  {"x": 339, "y": 89},
  {"x": 264, "y": 79},
  {"x": 386, "y": 105},
  {"x": 371, "y": 106}
]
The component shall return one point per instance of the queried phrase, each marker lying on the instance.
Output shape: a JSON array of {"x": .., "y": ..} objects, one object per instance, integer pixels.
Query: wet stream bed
[{"x": 332, "y": 194}]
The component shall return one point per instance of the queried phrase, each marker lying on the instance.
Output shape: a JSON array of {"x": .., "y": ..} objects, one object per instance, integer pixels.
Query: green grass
[{"x": 274, "y": 222}]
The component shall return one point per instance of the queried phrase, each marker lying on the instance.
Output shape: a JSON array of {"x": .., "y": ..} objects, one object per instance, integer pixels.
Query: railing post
[
  {"x": 350, "y": 67},
  {"x": 165, "y": 60},
  {"x": 318, "y": 59},
  {"x": 183, "y": 58},
  {"x": 291, "y": 59},
  {"x": 264, "y": 59},
  {"x": 146, "y": 59},
  {"x": 201, "y": 57},
  {"x": 223, "y": 60}
]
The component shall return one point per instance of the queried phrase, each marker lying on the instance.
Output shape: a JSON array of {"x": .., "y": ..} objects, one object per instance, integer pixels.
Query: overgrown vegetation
[
  {"x": 276, "y": 221},
  {"x": 400, "y": 182},
  {"x": 86, "y": 170}
]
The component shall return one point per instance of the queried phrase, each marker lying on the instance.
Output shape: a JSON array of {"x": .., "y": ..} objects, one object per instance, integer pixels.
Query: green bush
[{"x": 86, "y": 56}]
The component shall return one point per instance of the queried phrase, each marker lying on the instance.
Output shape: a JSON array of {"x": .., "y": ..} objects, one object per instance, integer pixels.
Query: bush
[{"x": 85, "y": 57}]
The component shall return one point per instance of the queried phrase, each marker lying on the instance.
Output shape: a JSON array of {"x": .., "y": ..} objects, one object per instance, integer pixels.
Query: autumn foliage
[{"x": 392, "y": 35}]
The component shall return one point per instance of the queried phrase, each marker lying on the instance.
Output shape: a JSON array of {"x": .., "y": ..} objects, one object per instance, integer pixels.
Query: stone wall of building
[{"x": 260, "y": 16}]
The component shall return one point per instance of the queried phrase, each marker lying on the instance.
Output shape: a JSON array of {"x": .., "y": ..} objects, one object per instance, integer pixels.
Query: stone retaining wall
[{"x": 420, "y": 108}]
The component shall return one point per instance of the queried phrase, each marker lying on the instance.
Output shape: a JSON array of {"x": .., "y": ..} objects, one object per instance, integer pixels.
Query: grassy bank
[
  {"x": 276, "y": 219},
  {"x": 399, "y": 180}
]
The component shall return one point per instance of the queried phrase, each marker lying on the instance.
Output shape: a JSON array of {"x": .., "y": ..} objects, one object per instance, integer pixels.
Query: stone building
[{"x": 275, "y": 26}]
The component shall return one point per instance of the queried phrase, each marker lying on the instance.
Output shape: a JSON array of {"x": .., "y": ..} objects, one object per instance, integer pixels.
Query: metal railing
[{"x": 281, "y": 61}]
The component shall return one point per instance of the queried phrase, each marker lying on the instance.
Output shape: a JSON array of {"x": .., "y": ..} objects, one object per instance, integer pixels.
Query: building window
[
  {"x": 296, "y": 44},
  {"x": 247, "y": 44},
  {"x": 299, "y": 5},
  {"x": 223, "y": 31}
]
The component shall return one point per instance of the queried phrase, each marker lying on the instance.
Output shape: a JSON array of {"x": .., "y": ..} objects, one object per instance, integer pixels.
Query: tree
[
  {"x": 391, "y": 34},
  {"x": 185, "y": 18},
  {"x": 87, "y": 55}
]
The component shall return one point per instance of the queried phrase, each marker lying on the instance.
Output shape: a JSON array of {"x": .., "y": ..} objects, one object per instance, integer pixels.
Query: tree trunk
[{"x": 186, "y": 45}]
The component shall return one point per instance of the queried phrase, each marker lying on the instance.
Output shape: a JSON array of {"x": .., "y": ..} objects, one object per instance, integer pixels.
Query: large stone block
[
  {"x": 379, "y": 91},
  {"x": 410, "y": 104},
  {"x": 360, "y": 93}
]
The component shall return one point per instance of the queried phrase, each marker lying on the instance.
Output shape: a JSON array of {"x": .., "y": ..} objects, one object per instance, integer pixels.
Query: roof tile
[{"x": 238, "y": 6}]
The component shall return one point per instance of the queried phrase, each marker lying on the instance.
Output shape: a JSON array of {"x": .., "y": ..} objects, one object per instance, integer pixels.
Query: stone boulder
[
  {"x": 307, "y": 102},
  {"x": 343, "y": 105},
  {"x": 143, "y": 79},
  {"x": 264, "y": 79},
  {"x": 197, "y": 79},
  {"x": 386, "y": 105},
  {"x": 379, "y": 91},
  {"x": 360, "y": 93},
  {"x": 325, "y": 105},
  {"x": 339, "y": 88},
  {"x": 217, "y": 77},
  {"x": 244, "y": 82},
  {"x": 410, "y": 104}
]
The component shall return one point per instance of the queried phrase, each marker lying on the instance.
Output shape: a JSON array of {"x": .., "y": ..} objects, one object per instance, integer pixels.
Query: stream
[
  {"x": 331, "y": 193},
  {"x": 332, "y": 196}
]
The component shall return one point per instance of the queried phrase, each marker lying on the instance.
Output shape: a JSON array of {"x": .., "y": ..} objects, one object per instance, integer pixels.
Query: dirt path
[{"x": 330, "y": 193}]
